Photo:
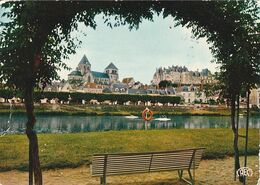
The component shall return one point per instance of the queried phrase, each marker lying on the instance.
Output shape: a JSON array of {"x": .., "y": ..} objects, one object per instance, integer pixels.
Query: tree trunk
[
  {"x": 34, "y": 162},
  {"x": 247, "y": 124},
  {"x": 235, "y": 132},
  {"x": 237, "y": 115}
]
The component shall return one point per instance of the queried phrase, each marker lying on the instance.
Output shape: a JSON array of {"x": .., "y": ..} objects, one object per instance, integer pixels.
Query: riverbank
[
  {"x": 117, "y": 110},
  {"x": 210, "y": 172},
  {"x": 73, "y": 150}
]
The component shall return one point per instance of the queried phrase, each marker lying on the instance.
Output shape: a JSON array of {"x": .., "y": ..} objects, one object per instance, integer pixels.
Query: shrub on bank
[{"x": 77, "y": 97}]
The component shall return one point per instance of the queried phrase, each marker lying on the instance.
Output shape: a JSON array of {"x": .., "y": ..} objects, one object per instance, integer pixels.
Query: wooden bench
[{"x": 129, "y": 163}]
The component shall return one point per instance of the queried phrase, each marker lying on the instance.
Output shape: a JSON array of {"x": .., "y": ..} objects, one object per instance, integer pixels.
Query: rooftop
[
  {"x": 75, "y": 73},
  {"x": 84, "y": 60},
  {"x": 111, "y": 66},
  {"x": 99, "y": 74}
]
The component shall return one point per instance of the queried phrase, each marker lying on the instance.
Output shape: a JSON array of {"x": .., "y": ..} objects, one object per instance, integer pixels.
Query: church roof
[
  {"x": 99, "y": 74},
  {"x": 75, "y": 73},
  {"x": 111, "y": 66},
  {"x": 84, "y": 60}
]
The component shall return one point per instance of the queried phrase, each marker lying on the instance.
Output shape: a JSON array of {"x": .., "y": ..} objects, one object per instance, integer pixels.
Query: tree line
[{"x": 77, "y": 97}]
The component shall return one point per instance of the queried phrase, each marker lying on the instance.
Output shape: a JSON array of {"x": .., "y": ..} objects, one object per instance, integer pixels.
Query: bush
[{"x": 212, "y": 102}]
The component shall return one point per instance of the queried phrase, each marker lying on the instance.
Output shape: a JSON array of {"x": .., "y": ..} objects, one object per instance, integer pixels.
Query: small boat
[
  {"x": 131, "y": 117},
  {"x": 162, "y": 119}
]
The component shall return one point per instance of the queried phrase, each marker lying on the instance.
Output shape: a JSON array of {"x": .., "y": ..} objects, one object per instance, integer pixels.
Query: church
[{"x": 84, "y": 74}]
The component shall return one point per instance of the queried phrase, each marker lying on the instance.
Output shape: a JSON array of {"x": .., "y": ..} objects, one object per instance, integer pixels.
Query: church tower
[
  {"x": 112, "y": 72},
  {"x": 84, "y": 65}
]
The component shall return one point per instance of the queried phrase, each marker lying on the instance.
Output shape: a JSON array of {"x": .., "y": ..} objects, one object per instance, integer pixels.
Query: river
[{"x": 67, "y": 124}]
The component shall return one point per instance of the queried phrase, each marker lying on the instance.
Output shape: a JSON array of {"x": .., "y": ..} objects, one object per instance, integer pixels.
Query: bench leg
[
  {"x": 190, "y": 180},
  {"x": 103, "y": 180},
  {"x": 180, "y": 173}
]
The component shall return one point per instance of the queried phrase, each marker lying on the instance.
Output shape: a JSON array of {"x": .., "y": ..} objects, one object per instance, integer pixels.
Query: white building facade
[{"x": 180, "y": 75}]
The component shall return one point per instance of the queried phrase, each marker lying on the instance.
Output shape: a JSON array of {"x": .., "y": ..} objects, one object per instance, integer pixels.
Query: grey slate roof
[
  {"x": 205, "y": 72},
  {"x": 111, "y": 66},
  {"x": 106, "y": 90},
  {"x": 119, "y": 85},
  {"x": 84, "y": 60},
  {"x": 99, "y": 74},
  {"x": 75, "y": 73},
  {"x": 137, "y": 91}
]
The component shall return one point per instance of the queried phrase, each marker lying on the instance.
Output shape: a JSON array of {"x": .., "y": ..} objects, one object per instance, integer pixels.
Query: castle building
[
  {"x": 84, "y": 74},
  {"x": 180, "y": 75}
]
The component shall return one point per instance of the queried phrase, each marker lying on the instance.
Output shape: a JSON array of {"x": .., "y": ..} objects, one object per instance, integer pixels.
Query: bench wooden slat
[
  {"x": 169, "y": 169},
  {"x": 129, "y": 159},
  {"x": 127, "y": 169},
  {"x": 155, "y": 162},
  {"x": 172, "y": 158},
  {"x": 142, "y": 153},
  {"x": 145, "y": 168},
  {"x": 143, "y": 156},
  {"x": 169, "y": 163},
  {"x": 127, "y": 172},
  {"x": 140, "y": 158},
  {"x": 128, "y": 165}
]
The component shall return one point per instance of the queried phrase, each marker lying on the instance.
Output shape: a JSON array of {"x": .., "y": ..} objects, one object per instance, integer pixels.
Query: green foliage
[
  {"x": 75, "y": 82},
  {"x": 209, "y": 89},
  {"x": 78, "y": 97},
  {"x": 196, "y": 101},
  {"x": 165, "y": 84},
  {"x": 212, "y": 102}
]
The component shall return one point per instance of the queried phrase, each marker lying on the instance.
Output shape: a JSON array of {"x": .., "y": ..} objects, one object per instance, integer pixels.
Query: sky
[{"x": 137, "y": 53}]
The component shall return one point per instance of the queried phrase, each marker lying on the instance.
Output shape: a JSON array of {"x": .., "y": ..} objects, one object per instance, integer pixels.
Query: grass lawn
[
  {"x": 210, "y": 172},
  {"x": 72, "y": 150}
]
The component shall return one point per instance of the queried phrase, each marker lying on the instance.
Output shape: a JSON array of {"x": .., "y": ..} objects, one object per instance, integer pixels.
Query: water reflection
[{"x": 64, "y": 124}]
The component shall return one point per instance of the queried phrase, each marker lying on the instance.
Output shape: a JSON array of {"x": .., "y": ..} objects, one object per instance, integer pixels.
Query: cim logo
[{"x": 245, "y": 171}]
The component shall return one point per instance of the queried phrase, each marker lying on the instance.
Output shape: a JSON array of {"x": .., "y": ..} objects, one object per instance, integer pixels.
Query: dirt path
[{"x": 210, "y": 172}]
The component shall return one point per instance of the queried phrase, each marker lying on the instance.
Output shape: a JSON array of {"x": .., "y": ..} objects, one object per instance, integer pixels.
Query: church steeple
[
  {"x": 84, "y": 65},
  {"x": 112, "y": 72},
  {"x": 111, "y": 66},
  {"x": 84, "y": 60}
]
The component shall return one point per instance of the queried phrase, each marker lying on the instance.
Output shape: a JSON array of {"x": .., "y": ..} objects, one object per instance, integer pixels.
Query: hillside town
[
  {"x": 189, "y": 85},
  {"x": 193, "y": 87}
]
